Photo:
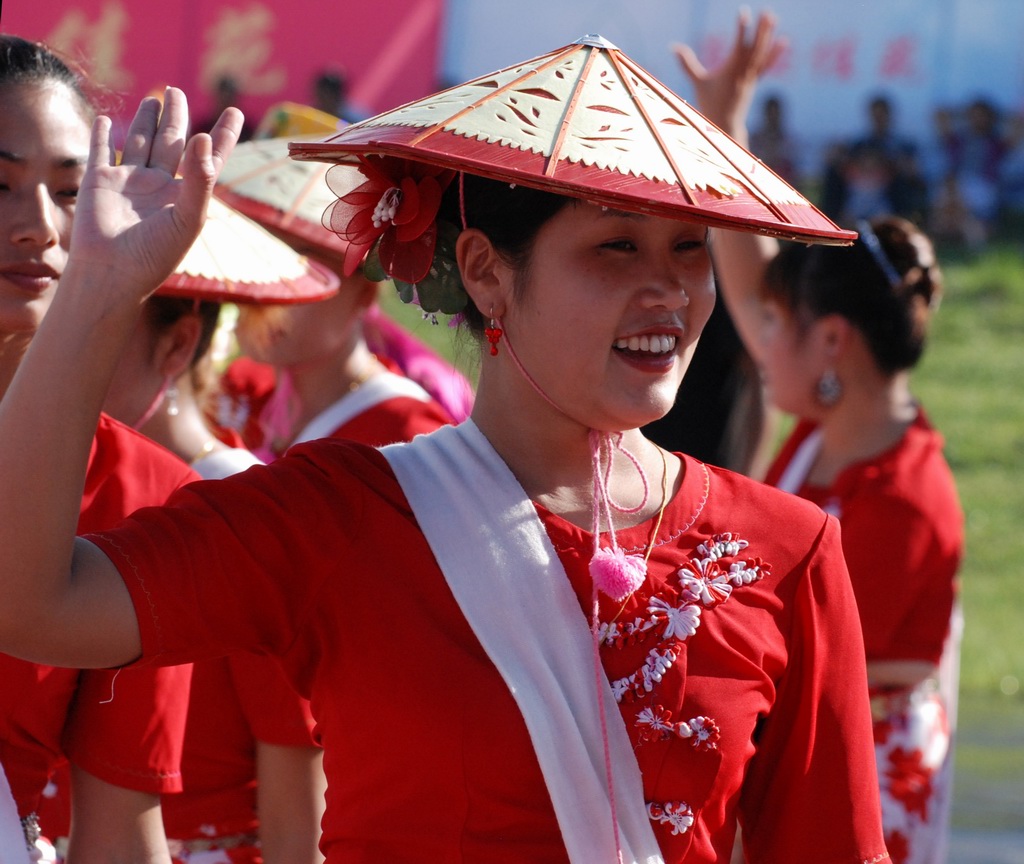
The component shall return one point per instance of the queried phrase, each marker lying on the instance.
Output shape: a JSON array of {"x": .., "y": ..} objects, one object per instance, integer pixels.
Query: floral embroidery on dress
[
  {"x": 675, "y": 814},
  {"x": 705, "y": 581},
  {"x": 643, "y": 681},
  {"x": 703, "y": 584},
  {"x": 680, "y": 620},
  {"x": 656, "y": 724}
]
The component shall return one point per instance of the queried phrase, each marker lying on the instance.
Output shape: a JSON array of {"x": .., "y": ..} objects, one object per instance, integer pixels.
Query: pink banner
[{"x": 273, "y": 49}]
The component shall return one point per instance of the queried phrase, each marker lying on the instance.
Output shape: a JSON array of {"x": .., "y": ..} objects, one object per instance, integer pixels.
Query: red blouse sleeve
[
  {"x": 146, "y": 707},
  {"x": 233, "y": 565},
  {"x": 903, "y": 577},
  {"x": 275, "y": 712},
  {"x": 812, "y": 785}
]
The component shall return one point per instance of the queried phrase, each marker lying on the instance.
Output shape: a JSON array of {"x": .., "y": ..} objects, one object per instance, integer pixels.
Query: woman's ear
[
  {"x": 833, "y": 333},
  {"x": 488, "y": 279},
  {"x": 176, "y": 347}
]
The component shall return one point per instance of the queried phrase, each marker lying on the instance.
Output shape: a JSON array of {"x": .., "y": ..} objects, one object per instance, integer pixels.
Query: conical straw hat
[
  {"x": 263, "y": 182},
  {"x": 234, "y": 260},
  {"x": 587, "y": 121}
]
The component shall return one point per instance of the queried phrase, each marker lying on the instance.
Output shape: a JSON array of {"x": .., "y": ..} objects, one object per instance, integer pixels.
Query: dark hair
[
  {"x": 161, "y": 313},
  {"x": 510, "y": 215},
  {"x": 893, "y": 315},
  {"x": 24, "y": 62},
  {"x": 333, "y": 82}
]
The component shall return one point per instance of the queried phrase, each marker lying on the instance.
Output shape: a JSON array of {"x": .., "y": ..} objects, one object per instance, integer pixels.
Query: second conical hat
[
  {"x": 234, "y": 260},
  {"x": 263, "y": 182},
  {"x": 587, "y": 121}
]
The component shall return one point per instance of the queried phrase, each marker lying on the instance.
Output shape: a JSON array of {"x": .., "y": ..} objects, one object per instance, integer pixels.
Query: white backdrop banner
[{"x": 922, "y": 54}]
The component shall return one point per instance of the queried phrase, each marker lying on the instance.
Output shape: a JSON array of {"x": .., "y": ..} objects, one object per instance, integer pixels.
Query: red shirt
[
  {"x": 247, "y": 385},
  {"x": 235, "y": 702},
  {"x": 903, "y": 538},
  {"x": 318, "y": 559},
  {"x": 246, "y": 699},
  {"x": 123, "y": 727}
]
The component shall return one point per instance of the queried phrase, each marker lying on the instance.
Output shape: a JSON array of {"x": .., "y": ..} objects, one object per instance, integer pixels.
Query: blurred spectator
[
  {"x": 1012, "y": 167},
  {"x": 227, "y": 93},
  {"x": 772, "y": 142},
  {"x": 976, "y": 152},
  {"x": 950, "y": 217},
  {"x": 331, "y": 95},
  {"x": 970, "y": 183},
  {"x": 875, "y": 175},
  {"x": 935, "y": 162}
]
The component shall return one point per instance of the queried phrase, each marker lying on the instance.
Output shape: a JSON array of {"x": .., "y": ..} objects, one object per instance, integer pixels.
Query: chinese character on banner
[
  {"x": 240, "y": 45},
  {"x": 899, "y": 58},
  {"x": 834, "y": 59},
  {"x": 101, "y": 41}
]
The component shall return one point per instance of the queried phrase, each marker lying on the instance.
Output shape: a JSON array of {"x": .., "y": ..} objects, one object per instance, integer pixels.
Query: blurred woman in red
[{"x": 836, "y": 332}]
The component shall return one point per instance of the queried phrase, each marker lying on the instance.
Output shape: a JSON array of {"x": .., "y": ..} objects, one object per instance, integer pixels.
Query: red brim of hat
[{"x": 588, "y": 122}]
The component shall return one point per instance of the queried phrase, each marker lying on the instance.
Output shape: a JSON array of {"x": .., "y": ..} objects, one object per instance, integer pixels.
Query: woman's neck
[
  {"x": 865, "y": 424},
  {"x": 319, "y": 384},
  {"x": 550, "y": 455},
  {"x": 185, "y": 434},
  {"x": 12, "y": 348}
]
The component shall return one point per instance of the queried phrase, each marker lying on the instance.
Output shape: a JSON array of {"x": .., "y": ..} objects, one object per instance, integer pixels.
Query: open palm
[{"x": 136, "y": 220}]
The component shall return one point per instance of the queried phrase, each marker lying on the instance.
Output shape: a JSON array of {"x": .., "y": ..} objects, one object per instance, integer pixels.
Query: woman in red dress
[
  {"x": 534, "y": 636},
  {"x": 252, "y": 774},
  {"x": 339, "y": 368},
  {"x": 836, "y": 333}
]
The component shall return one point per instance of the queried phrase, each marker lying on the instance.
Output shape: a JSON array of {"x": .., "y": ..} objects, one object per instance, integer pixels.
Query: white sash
[
  {"x": 518, "y": 601},
  {"x": 800, "y": 465},
  {"x": 378, "y": 389},
  {"x": 12, "y": 838}
]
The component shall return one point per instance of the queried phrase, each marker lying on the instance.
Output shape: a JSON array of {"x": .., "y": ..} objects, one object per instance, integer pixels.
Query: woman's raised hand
[
  {"x": 724, "y": 95},
  {"x": 136, "y": 220}
]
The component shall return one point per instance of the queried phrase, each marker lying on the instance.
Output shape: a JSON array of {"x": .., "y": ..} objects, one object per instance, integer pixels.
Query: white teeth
[{"x": 651, "y": 344}]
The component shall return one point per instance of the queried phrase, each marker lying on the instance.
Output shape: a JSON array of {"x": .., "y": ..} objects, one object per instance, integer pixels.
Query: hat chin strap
[
  {"x": 604, "y": 504},
  {"x": 612, "y": 572},
  {"x": 154, "y": 406}
]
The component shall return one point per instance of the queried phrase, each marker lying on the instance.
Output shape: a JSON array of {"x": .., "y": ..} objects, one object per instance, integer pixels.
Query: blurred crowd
[{"x": 964, "y": 180}]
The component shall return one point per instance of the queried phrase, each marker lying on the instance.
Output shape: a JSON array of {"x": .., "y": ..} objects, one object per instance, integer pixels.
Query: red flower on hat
[{"x": 398, "y": 207}]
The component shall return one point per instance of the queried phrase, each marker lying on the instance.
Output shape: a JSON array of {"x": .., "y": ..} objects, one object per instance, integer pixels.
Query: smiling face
[
  {"x": 608, "y": 312},
  {"x": 44, "y": 141}
]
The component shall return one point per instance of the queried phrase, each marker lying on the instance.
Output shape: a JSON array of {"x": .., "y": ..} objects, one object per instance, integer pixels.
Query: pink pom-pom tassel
[{"x": 617, "y": 574}]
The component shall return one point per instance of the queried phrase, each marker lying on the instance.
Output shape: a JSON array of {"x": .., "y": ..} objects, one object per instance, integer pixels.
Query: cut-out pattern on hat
[
  {"x": 619, "y": 122},
  {"x": 589, "y": 122}
]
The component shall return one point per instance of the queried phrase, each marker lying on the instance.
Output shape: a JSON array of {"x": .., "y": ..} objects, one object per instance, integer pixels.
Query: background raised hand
[{"x": 724, "y": 94}]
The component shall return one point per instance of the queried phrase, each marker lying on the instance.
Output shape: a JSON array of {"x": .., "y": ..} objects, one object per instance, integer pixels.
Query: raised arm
[
  {"x": 61, "y": 600},
  {"x": 724, "y": 96}
]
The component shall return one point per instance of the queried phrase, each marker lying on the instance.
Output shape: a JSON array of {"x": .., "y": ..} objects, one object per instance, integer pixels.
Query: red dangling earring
[{"x": 493, "y": 334}]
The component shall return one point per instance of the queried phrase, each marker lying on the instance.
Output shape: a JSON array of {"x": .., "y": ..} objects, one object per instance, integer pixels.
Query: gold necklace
[
  {"x": 205, "y": 450},
  {"x": 664, "y": 503},
  {"x": 364, "y": 375},
  {"x": 657, "y": 523}
]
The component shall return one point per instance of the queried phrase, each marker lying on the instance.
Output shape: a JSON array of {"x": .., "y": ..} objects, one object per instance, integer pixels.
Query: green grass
[{"x": 969, "y": 382}]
